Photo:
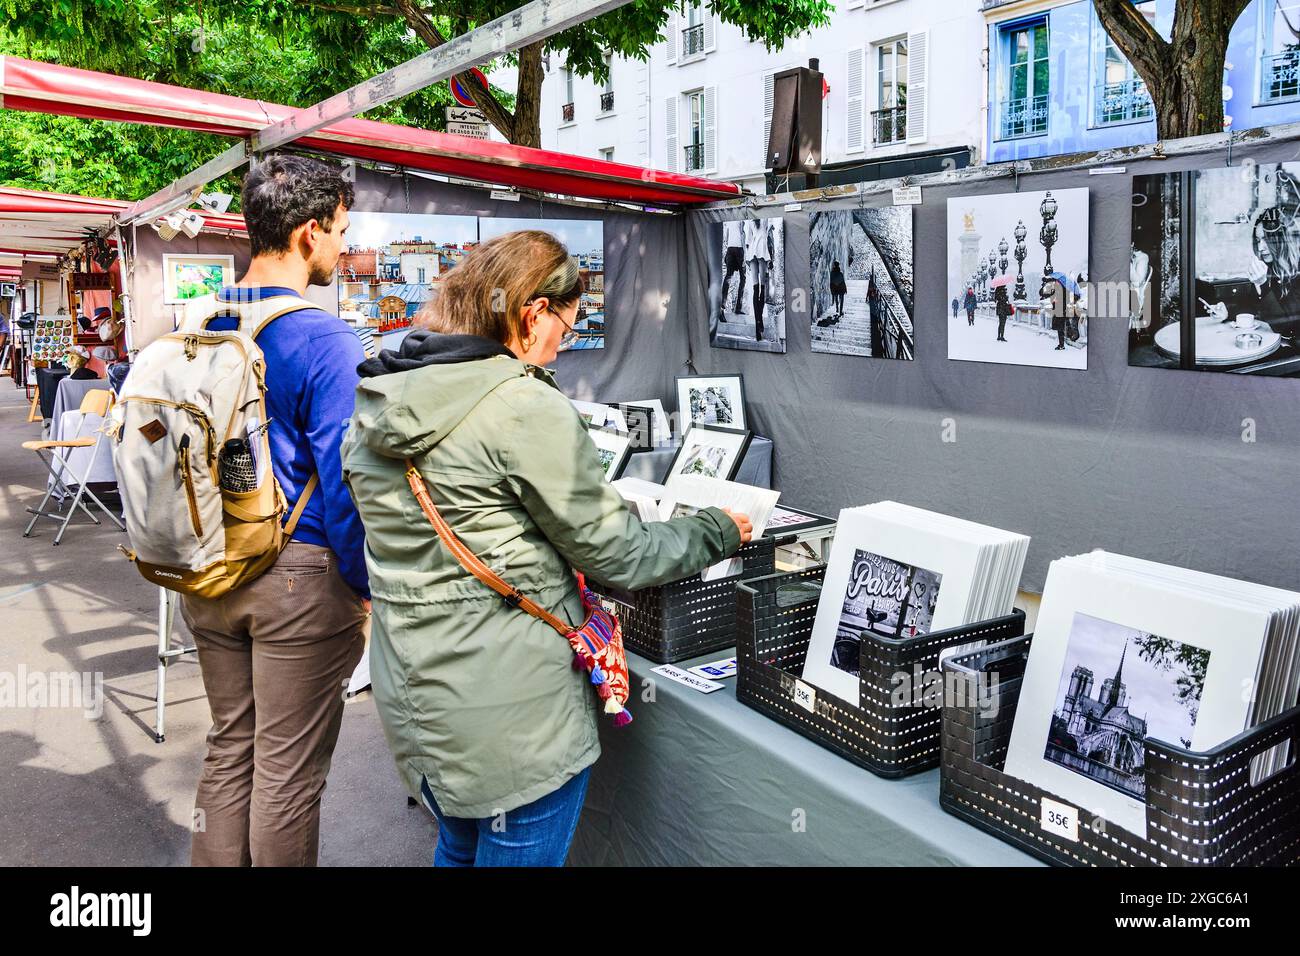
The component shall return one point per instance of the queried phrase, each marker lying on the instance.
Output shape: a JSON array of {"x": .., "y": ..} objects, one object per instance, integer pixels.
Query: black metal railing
[
  {"x": 889, "y": 125},
  {"x": 606, "y": 101},
  {"x": 1023, "y": 117},
  {"x": 1280, "y": 75},
  {"x": 567, "y": 111},
  {"x": 693, "y": 40},
  {"x": 1123, "y": 102},
  {"x": 694, "y": 157}
]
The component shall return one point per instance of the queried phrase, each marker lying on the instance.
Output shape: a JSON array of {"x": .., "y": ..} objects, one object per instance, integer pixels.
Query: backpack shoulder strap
[{"x": 253, "y": 316}]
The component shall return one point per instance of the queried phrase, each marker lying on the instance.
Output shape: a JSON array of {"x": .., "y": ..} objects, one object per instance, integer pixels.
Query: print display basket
[
  {"x": 1202, "y": 809},
  {"x": 675, "y": 622},
  {"x": 891, "y": 735}
]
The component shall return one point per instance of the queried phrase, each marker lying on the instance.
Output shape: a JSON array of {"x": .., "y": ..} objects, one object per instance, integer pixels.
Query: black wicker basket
[
  {"x": 890, "y": 738},
  {"x": 675, "y": 622},
  {"x": 1202, "y": 809}
]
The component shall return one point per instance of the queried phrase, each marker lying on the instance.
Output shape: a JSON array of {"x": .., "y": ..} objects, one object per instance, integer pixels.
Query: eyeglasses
[{"x": 571, "y": 335}]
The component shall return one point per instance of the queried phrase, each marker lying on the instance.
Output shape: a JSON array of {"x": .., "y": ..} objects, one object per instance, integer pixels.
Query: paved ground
[{"x": 91, "y": 790}]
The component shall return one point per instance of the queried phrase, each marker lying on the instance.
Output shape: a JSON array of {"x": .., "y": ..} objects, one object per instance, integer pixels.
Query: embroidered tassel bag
[{"x": 597, "y": 645}]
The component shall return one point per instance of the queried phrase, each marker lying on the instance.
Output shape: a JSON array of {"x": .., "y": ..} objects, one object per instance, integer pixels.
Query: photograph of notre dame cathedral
[{"x": 1118, "y": 686}]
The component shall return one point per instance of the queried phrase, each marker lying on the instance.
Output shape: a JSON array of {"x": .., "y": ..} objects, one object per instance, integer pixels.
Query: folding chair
[{"x": 52, "y": 455}]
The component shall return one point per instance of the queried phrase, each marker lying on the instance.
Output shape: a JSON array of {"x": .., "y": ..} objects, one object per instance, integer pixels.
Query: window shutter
[
  {"x": 918, "y": 83},
  {"x": 670, "y": 133},
  {"x": 710, "y": 32},
  {"x": 673, "y": 34},
  {"x": 710, "y": 128},
  {"x": 855, "y": 102},
  {"x": 768, "y": 86}
]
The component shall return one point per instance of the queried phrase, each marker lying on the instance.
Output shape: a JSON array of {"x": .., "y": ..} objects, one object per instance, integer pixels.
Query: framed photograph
[
  {"x": 640, "y": 426},
  {"x": 1018, "y": 278},
  {"x": 192, "y": 277},
  {"x": 612, "y": 447},
  {"x": 663, "y": 429},
  {"x": 1214, "y": 270},
  {"x": 709, "y": 451},
  {"x": 860, "y": 264},
  {"x": 746, "y": 262},
  {"x": 8, "y": 290},
  {"x": 711, "y": 400}
]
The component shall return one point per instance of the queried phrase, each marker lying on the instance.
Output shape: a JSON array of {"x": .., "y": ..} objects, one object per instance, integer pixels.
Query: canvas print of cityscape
[
  {"x": 1119, "y": 685},
  {"x": 1018, "y": 278},
  {"x": 392, "y": 264}
]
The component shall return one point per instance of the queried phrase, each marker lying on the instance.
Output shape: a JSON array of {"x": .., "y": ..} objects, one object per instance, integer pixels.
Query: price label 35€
[{"x": 1060, "y": 819}]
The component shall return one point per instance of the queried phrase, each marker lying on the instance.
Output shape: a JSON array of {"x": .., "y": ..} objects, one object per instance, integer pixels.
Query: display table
[
  {"x": 70, "y": 393},
  {"x": 755, "y": 468},
  {"x": 701, "y": 779}
]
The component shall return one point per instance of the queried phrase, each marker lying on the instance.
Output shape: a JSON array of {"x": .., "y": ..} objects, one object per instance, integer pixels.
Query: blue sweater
[{"x": 311, "y": 381}]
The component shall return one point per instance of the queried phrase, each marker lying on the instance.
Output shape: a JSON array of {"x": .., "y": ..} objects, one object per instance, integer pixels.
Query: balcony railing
[
  {"x": 567, "y": 111},
  {"x": 1123, "y": 102},
  {"x": 889, "y": 125},
  {"x": 606, "y": 101},
  {"x": 694, "y": 157},
  {"x": 693, "y": 40},
  {"x": 1280, "y": 75},
  {"x": 1023, "y": 117}
]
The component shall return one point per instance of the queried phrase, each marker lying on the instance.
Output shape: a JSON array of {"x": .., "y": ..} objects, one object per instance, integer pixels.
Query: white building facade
[{"x": 904, "y": 77}]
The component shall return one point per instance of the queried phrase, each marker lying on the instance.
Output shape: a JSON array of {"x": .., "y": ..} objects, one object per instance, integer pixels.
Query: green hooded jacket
[{"x": 477, "y": 697}]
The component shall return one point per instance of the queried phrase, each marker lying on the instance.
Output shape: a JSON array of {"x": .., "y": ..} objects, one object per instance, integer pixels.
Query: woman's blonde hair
[{"x": 485, "y": 292}]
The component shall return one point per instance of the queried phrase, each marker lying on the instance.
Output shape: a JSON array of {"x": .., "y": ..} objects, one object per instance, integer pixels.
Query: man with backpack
[{"x": 276, "y": 651}]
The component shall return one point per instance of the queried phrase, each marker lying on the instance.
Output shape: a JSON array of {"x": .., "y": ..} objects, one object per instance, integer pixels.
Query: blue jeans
[{"x": 536, "y": 834}]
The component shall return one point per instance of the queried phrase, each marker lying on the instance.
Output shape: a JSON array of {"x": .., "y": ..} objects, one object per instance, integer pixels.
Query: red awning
[
  {"x": 33, "y": 222},
  {"x": 46, "y": 88}
]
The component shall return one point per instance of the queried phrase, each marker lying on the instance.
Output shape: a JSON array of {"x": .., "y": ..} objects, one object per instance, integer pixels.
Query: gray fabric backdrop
[{"x": 1148, "y": 462}]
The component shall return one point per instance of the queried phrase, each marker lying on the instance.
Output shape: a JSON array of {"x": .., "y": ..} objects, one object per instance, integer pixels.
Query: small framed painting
[
  {"x": 612, "y": 447},
  {"x": 709, "y": 451},
  {"x": 192, "y": 277},
  {"x": 711, "y": 400}
]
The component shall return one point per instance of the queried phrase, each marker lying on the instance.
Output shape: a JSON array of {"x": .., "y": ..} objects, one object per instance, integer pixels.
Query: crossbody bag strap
[
  {"x": 299, "y": 507},
  {"x": 470, "y": 561}
]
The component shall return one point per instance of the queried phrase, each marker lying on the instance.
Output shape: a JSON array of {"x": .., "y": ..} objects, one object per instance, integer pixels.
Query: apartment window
[
  {"x": 693, "y": 33},
  {"x": 889, "y": 119},
  {"x": 567, "y": 109},
  {"x": 607, "y": 88},
  {"x": 607, "y": 154},
  {"x": 1120, "y": 95},
  {"x": 419, "y": 275},
  {"x": 694, "y": 131},
  {"x": 1280, "y": 46},
  {"x": 1026, "y": 75}
]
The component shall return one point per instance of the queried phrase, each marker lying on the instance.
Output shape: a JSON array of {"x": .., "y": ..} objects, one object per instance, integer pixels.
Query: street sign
[
  {"x": 458, "y": 92},
  {"x": 474, "y": 130},
  {"x": 465, "y": 114}
]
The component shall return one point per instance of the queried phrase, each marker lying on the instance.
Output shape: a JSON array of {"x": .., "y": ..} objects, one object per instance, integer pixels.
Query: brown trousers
[{"x": 275, "y": 655}]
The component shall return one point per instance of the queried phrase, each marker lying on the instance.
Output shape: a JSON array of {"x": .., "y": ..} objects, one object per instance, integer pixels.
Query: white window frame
[
  {"x": 1003, "y": 85},
  {"x": 876, "y": 74},
  {"x": 1263, "y": 37}
]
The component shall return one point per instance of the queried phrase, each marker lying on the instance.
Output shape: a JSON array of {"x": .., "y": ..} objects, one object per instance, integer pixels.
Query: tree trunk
[
  {"x": 1183, "y": 74},
  {"x": 528, "y": 97}
]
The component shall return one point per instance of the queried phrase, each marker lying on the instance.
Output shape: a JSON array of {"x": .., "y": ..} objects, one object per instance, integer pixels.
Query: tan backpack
[{"x": 188, "y": 393}]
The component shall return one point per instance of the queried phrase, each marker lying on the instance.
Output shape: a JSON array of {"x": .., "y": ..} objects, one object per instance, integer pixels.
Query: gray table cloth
[{"x": 701, "y": 779}]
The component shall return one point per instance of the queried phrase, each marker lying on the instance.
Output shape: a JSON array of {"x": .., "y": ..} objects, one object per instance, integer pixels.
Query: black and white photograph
[
  {"x": 1018, "y": 278},
  {"x": 747, "y": 284},
  {"x": 612, "y": 447},
  {"x": 883, "y": 597},
  {"x": 1236, "y": 308},
  {"x": 860, "y": 264},
  {"x": 1118, "y": 686},
  {"x": 709, "y": 451},
  {"x": 711, "y": 400}
]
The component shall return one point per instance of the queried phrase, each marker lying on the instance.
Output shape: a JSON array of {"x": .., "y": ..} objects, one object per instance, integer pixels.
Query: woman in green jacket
[{"x": 489, "y": 723}]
